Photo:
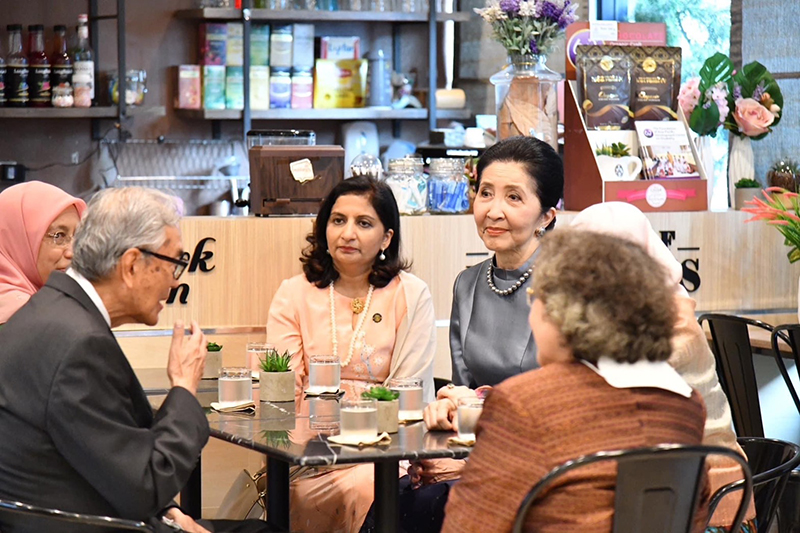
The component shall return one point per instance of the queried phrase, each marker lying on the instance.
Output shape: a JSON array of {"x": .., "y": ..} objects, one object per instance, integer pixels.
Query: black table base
[
  {"x": 278, "y": 493},
  {"x": 191, "y": 495},
  {"x": 387, "y": 487}
]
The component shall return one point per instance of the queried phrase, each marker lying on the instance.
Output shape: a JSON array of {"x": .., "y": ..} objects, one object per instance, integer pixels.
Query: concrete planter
[
  {"x": 276, "y": 386},
  {"x": 388, "y": 415},
  {"x": 740, "y": 196},
  {"x": 213, "y": 364}
]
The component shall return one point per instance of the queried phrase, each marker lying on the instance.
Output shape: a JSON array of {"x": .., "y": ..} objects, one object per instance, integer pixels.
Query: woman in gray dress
[{"x": 520, "y": 182}]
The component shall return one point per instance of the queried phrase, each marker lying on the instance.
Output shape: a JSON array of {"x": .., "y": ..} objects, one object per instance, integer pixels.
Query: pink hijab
[
  {"x": 26, "y": 211},
  {"x": 628, "y": 222}
]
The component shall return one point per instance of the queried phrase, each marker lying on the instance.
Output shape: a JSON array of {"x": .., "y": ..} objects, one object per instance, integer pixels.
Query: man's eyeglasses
[
  {"x": 59, "y": 239},
  {"x": 180, "y": 264}
]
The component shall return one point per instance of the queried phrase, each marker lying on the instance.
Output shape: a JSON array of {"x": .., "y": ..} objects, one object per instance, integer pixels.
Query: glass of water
[
  {"x": 469, "y": 411},
  {"x": 410, "y": 390},
  {"x": 358, "y": 419},
  {"x": 323, "y": 414},
  {"x": 323, "y": 374},
  {"x": 235, "y": 385},
  {"x": 256, "y": 351}
]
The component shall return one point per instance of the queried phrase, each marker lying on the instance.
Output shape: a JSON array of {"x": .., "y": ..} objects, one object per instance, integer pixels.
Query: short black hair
[
  {"x": 542, "y": 164},
  {"x": 318, "y": 264}
]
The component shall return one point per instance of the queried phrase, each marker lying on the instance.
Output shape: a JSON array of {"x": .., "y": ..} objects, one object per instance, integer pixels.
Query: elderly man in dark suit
[{"x": 78, "y": 433}]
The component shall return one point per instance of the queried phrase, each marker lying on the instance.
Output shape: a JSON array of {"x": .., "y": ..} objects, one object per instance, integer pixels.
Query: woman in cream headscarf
[
  {"x": 36, "y": 228},
  {"x": 691, "y": 355}
]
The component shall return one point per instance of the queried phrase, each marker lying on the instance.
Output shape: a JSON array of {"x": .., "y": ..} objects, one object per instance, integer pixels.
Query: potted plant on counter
[
  {"x": 276, "y": 378},
  {"x": 388, "y": 407},
  {"x": 746, "y": 190},
  {"x": 213, "y": 360}
]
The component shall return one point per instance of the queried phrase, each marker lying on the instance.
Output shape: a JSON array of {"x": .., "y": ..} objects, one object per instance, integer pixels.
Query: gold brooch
[
  {"x": 357, "y": 305},
  {"x": 377, "y": 317}
]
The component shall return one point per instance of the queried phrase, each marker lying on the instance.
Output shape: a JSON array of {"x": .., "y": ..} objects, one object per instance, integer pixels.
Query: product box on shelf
[
  {"x": 259, "y": 45},
  {"x": 213, "y": 40},
  {"x": 235, "y": 45},
  {"x": 280, "y": 46},
  {"x": 623, "y": 33},
  {"x": 303, "y": 46},
  {"x": 213, "y": 87},
  {"x": 340, "y": 84},
  {"x": 188, "y": 87},
  {"x": 234, "y": 87},
  {"x": 339, "y": 48},
  {"x": 259, "y": 87}
]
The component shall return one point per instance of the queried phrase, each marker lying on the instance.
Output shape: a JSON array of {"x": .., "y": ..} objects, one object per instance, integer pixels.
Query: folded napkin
[
  {"x": 323, "y": 392},
  {"x": 457, "y": 441},
  {"x": 407, "y": 421},
  {"x": 349, "y": 440},
  {"x": 247, "y": 406}
]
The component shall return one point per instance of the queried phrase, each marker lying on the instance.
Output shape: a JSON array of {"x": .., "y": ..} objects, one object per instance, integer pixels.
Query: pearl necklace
[
  {"x": 356, "y": 332},
  {"x": 513, "y": 288}
]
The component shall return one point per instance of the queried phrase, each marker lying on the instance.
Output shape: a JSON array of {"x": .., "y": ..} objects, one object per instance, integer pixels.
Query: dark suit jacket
[{"x": 77, "y": 431}]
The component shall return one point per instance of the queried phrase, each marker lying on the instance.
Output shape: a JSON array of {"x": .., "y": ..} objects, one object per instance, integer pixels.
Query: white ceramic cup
[{"x": 619, "y": 168}]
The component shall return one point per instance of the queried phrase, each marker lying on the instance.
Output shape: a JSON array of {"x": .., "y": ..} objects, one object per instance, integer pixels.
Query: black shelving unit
[{"x": 247, "y": 15}]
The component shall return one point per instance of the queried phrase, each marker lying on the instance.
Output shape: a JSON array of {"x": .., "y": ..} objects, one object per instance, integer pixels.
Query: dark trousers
[
  {"x": 421, "y": 509},
  {"x": 236, "y": 526}
]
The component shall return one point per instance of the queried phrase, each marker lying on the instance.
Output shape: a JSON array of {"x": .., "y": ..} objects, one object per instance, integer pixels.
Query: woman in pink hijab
[
  {"x": 37, "y": 222},
  {"x": 691, "y": 355}
]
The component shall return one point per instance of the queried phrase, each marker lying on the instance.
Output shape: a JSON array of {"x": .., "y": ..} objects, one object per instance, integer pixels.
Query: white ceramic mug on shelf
[{"x": 625, "y": 168}]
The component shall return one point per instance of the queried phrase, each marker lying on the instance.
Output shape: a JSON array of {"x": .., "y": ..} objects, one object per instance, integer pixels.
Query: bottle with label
[
  {"x": 302, "y": 89},
  {"x": 83, "y": 66},
  {"x": 60, "y": 68},
  {"x": 16, "y": 69},
  {"x": 39, "y": 65},
  {"x": 280, "y": 88}
]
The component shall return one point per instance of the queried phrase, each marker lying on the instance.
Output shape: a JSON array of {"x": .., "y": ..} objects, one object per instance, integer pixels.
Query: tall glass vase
[
  {"x": 741, "y": 163},
  {"x": 526, "y": 99}
]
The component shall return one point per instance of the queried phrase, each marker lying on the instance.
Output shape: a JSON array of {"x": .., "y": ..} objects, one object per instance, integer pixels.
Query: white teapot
[{"x": 626, "y": 168}]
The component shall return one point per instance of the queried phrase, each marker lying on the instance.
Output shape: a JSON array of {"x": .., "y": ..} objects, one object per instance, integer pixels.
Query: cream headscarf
[
  {"x": 626, "y": 221},
  {"x": 26, "y": 211}
]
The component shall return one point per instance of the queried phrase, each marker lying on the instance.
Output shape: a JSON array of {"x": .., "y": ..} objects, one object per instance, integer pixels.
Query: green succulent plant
[
  {"x": 382, "y": 394},
  {"x": 277, "y": 439},
  {"x": 747, "y": 183},
  {"x": 213, "y": 347},
  {"x": 274, "y": 362},
  {"x": 614, "y": 150}
]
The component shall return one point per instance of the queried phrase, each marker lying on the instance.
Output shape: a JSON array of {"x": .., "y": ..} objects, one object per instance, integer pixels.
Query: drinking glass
[
  {"x": 323, "y": 414},
  {"x": 235, "y": 384},
  {"x": 256, "y": 351},
  {"x": 410, "y": 390},
  {"x": 469, "y": 411},
  {"x": 323, "y": 374},
  {"x": 358, "y": 419}
]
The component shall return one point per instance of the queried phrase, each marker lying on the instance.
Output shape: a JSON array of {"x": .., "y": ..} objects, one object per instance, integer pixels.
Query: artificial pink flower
[
  {"x": 752, "y": 118},
  {"x": 689, "y": 96}
]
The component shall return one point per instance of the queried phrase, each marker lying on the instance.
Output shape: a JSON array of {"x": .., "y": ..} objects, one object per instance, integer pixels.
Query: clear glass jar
[
  {"x": 62, "y": 96},
  {"x": 448, "y": 187},
  {"x": 409, "y": 185},
  {"x": 280, "y": 137}
]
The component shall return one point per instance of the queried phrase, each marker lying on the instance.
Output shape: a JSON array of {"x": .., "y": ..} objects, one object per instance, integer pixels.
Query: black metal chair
[
  {"x": 50, "y": 515},
  {"x": 790, "y": 335},
  {"x": 730, "y": 341},
  {"x": 657, "y": 488}
]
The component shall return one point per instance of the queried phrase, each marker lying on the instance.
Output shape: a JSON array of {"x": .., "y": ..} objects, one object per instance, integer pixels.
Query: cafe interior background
[{"x": 68, "y": 153}]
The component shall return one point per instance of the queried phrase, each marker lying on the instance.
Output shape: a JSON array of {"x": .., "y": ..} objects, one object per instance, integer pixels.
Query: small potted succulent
[
  {"x": 213, "y": 360},
  {"x": 616, "y": 163},
  {"x": 276, "y": 378},
  {"x": 746, "y": 190},
  {"x": 388, "y": 407}
]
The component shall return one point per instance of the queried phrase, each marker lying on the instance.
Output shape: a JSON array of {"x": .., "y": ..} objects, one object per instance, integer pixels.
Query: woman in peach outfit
[
  {"x": 36, "y": 228},
  {"x": 354, "y": 284}
]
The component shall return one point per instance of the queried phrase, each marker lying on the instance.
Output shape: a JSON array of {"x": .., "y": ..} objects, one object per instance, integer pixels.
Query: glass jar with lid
[
  {"x": 409, "y": 185},
  {"x": 448, "y": 187}
]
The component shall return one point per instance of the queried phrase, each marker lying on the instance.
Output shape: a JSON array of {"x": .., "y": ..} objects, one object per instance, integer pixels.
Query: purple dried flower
[
  {"x": 758, "y": 92},
  {"x": 737, "y": 92},
  {"x": 534, "y": 47},
  {"x": 510, "y": 6},
  {"x": 567, "y": 15},
  {"x": 551, "y": 11}
]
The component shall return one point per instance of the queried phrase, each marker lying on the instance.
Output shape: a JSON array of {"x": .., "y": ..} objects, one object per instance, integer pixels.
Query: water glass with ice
[
  {"x": 323, "y": 374},
  {"x": 323, "y": 414},
  {"x": 358, "y": 419},
  {"x": 411, "y": 403},
  {"x": 256, "y": 351},
  {"x": 469, "y": 411},
  {"x": 235, "y": 385}
]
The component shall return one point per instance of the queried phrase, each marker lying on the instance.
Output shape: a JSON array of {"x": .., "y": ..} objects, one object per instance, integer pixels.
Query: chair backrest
[
  {"x": 657, "y": 488},
  {"x": 789, "y": 334},
  {"x": 53, "y": 515},
  {"x": 730, "y": 341},
  {"x": 771, "y": 463}
]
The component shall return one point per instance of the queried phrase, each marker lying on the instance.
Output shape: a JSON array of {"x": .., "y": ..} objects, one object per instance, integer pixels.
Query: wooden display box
[
  {"x": 293, "y": 180},
  {"x": 583, "y": 185}
]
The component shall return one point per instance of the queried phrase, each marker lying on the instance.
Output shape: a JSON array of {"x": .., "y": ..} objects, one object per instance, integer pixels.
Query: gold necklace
[{"x": 357, "y": 305}]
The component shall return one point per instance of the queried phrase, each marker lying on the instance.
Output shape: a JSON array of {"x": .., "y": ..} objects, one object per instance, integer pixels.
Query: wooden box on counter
[
  {"x": 583, "y": 185},
  {"x": 292, "y": 180}
]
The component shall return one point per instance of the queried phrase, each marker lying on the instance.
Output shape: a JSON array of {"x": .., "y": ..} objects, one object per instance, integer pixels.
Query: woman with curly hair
[
  {"x": 603, "y": 319},
  {"x": 356, "y": 301}
]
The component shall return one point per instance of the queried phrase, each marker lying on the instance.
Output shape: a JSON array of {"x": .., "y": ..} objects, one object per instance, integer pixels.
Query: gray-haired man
[{"x": 78, "y": 432}]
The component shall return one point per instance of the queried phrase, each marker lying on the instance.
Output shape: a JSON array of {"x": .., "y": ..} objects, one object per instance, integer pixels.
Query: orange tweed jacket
[{"x": 533, "y": 422}]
